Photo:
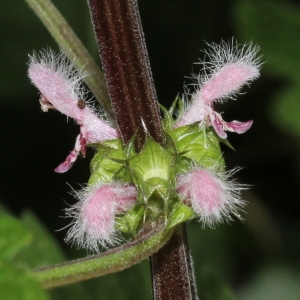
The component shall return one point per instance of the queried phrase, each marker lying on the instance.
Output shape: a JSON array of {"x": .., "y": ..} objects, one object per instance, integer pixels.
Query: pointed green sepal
[
  {"x": 168, "y": 120},
  {"x": 180, "y": 214},
  {"x": 131, "y": 220},
  {"x": 153, "y": 169},
  {"x": 199, "y": 144},
  {"x": 107, "y": 161}
]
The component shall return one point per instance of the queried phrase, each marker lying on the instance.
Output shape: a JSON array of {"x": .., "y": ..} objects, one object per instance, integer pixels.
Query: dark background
[{"x": 254, "y": 258}]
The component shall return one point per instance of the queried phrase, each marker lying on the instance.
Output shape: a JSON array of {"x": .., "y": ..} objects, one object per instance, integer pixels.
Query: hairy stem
[
  {"x": 127, "y": 70},
  {"x": 74, "y": 49},
  {"x": 172, "y": 270},
  {"x": 111, "y": 261}
]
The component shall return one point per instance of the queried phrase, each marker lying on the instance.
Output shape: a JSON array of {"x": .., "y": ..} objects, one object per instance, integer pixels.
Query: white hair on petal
[
  {"x": 218, "y": 55},
  {"x": 60, "y": 64},
  {"x": 77, "y": 234},
  {"x": 231, "y": 198},
  {"x": 74, "y": 77}
]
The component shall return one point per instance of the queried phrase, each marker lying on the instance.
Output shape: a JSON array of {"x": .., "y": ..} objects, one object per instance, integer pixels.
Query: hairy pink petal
[
  {"x": 94, "y": 215},
  {"x": 205, "y": 192},
  {"x": 125, "y": 197},
  {"x": 228, "y": 68},
  {"x": 221, "y": 84},
  {"x": 61, "y": 88},
  {"x": 98, "y": 213},
  {"x": 56, "y": 88},
  {"x": 227, "y": 80},
  {"x": 211, "y": 197},
  {"x": 58, "y": 91},
  {"x": 95, "y": 129},
  {"x": 197, "y": 112}
]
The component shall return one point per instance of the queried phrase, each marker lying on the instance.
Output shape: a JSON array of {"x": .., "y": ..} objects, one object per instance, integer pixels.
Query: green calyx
[{"x": 154, "y": 170}]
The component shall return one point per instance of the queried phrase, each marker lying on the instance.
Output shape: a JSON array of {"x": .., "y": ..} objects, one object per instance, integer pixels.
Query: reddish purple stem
[
  {"x": 127, "y": 70},
  {"x": 172, "y": 271}
]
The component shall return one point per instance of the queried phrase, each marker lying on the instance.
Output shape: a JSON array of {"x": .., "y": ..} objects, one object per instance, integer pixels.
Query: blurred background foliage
[{"x": 257, "y": 259}]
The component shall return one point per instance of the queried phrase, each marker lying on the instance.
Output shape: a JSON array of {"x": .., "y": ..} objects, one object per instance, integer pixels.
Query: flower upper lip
[
  {"x": 227, "y": 71},
  {"x": 61, "y": 89}
]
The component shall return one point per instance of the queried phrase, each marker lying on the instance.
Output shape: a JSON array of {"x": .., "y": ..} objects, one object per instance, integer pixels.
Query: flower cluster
[{"x": 186, "y": 174}]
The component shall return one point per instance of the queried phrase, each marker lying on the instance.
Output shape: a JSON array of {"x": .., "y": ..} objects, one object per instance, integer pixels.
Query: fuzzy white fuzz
[{"x": 56, "y": 78}]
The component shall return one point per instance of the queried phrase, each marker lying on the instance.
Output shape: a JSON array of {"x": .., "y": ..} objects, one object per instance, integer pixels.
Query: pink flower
[
  {"x": 61, "y": 88},
  {"x": 223, "y": 76},
  {"x": 94, "y": 215},
  {"x": 212, "y": 196}
]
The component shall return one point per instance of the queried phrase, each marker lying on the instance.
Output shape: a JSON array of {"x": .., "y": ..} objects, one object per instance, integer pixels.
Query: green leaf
[
  {"x": 13, "y": 236},
  {"x": 27, "y": 242},
  {"x": 44, "y": 249},
  {"x": 16, "y": 283}
]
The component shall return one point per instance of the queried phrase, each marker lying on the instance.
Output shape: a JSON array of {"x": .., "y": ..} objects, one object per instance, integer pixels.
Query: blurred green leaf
[
  {"x": 27, "y": 243},
  {"x": 13, "y": 236},
  {"x": 215, "y": 252},
  {"x": 44, "y": 249},
  {"x": 16, "y": 283}
]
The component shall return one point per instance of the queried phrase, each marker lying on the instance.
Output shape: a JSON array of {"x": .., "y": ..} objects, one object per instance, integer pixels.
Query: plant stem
[
  {"x": 127, "y": 70},
  {"x": 172, "y": 270},
  {"x": 110, "y": 261},
  {"x": 74, "y": 49}
]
